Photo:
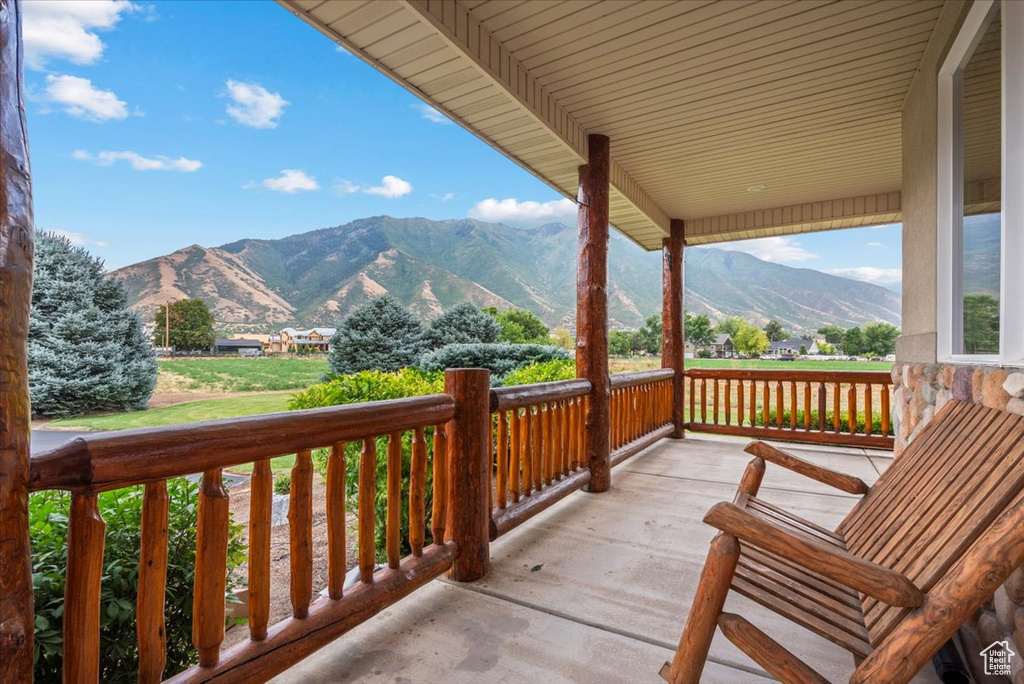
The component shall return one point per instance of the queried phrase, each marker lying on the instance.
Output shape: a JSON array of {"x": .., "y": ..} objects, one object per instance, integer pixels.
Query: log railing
[
  {"x": 848, "y": 408},
  {"x": 92, "y": 464},
  {"x": 537, "y": 442},
  {"x": 641, "y": 411}
]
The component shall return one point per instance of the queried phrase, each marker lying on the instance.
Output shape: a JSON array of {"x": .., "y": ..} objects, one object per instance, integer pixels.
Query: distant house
[
  {"x": 792, "y": 347},
  {"x": 721, "y": 348},
  {"x": 240, "y": 346},
  {"x": 316, "y": 339}
]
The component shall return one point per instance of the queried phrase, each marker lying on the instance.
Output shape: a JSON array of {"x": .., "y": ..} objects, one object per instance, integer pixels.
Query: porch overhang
[{"x": 742, "y": 119}]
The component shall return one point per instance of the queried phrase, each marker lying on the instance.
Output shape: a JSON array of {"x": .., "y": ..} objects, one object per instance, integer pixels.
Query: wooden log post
[
  {"x": 673, "y": 339},
  {"x": 16, "y": 235},
  {"x": 592, "y": 309},
  {"x": 469, "y": 472}
]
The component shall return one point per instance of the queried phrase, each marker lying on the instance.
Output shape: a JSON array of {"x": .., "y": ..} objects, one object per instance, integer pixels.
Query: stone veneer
[{"x": 919, "y": 391}]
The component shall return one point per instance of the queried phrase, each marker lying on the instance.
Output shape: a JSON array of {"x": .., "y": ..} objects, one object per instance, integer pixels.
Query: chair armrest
[
  {"x": 833, "y": 562},
  {"x": 841, "y": 481}
]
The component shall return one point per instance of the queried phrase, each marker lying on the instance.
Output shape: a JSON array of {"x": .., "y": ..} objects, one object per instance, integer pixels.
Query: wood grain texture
[
  {"x": 150, "y": 629},
  {"x": 439, "y": 506},
  {"x": 300, "y": 534},
  {"x": 518, "y": 513},
  {"x": 469, "y": 472},
  {"x": 841, "y": 481},
  {"x": 393, "y": 528},
  {"x": 592, "y": 307},
  {"x": 211, "y": 568},
  {"x": 766, "y": 652},
  {"x": 261, "y": 504},
  {"x": 86, "y": 531},
  {"x": 337, "y": 558},
  {"x": 673, "y": 333},
  {"x": 418, "y": 492},
  {"x": 16, "y": 251},
  {"x": 521, "y": 396},
  {"x": 367, "y": 513}
]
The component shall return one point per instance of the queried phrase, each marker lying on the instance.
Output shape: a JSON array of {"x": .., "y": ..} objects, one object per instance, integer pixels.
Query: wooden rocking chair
[{"x": 921, "y": 551}]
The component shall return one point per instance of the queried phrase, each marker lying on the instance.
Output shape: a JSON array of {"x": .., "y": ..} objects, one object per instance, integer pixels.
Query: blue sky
[{"x": 157, "y": 125}]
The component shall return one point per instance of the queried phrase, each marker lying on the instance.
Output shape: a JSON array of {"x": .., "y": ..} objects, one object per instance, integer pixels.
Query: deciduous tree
[
  {"x": 699, "y": 331},
  {"x": 750, "y": 340},
  {"x": 775, "y": 332},
  {"x": 191, "y": 325}
]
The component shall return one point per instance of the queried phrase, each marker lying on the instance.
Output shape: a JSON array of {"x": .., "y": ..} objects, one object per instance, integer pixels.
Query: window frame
[{"x": 950, "y": 188}]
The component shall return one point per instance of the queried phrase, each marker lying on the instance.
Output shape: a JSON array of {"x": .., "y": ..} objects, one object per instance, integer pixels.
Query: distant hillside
[{"x": 316, "y": 278}]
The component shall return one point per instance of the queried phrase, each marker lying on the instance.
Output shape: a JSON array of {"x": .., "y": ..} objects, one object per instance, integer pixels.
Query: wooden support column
[
  {"x": 592, "y": 309},
  {"x": 673, "y": 338},
  {"x": 16, "y": 249},
  {"x": 469, "y": 472}
]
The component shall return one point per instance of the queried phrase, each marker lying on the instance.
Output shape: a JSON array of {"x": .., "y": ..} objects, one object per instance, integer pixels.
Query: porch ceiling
[{"x": 702, "y": 100}]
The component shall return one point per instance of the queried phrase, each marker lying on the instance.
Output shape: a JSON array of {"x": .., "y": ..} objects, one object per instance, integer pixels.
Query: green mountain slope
[{"x": 316, "y": 278}]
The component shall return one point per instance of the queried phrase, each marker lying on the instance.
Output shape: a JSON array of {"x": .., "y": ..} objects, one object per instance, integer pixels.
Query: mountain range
[{"x": 316, "y": 278}]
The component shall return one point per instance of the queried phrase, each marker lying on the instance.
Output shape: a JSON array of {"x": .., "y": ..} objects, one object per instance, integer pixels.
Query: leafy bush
[
  {"x": 520, "y": 326},
  {"x": 379, "y": 335},
  {"x": 463, "y": 324},
  {"x": 546, "y": 371},
  {"x": 282, "y": 484},
  {"x": 122, "y": 511},
  {"x": 368, "y": 386},
  {"x": 844, "y": 421},
  {"x": 500, "y": 359},
  {"x": 87, "y": 351}
]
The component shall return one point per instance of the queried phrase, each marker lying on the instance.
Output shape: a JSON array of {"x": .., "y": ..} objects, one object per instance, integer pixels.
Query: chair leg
[{"x": 712, "y": 590}]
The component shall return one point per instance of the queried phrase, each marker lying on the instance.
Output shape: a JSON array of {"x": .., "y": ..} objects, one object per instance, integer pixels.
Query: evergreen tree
[
  {"x": 463, "y": 324},
  {"x": 191, "y": 325},
  {"x": 379, "y": 335},
  {"x": 87, "y": 351}
]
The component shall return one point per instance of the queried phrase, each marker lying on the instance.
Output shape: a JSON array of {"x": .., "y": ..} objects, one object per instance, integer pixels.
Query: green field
[
  {"x": 266, "y": 374},
  {"x": 188, "y": 412},
  {"x": 622, "y": 364}
]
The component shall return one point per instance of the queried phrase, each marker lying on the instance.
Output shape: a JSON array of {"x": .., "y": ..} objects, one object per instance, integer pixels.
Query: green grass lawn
[
  {"x": 240, "y": 375},
  {"x": 188, "y": 412},
  {"x": 624, "y": 364}
]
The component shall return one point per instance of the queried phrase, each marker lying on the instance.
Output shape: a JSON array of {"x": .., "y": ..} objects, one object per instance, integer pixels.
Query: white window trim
[{"x": 950, "y": 189}]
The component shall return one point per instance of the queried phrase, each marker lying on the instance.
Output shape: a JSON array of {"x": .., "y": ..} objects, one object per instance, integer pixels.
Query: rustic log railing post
[
  {"x": 16, "y": 620},
  {"x": 672, "y": 318},
  {"x": 592, "y": 308},
  {"x": 469, "y": 472}
]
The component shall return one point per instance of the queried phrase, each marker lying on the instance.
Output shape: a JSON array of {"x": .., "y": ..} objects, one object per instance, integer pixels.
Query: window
[{"x": 981, "y": 234}]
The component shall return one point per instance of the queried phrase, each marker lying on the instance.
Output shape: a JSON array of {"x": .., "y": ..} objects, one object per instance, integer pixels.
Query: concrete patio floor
[{"x": 597, "y": 588}]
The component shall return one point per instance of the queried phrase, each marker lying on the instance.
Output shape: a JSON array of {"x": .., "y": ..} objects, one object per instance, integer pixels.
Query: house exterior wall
[{"x": 921, "y": 385}]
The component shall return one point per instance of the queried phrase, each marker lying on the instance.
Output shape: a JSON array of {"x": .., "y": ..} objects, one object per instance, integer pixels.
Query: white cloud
[
  {"x": 875, "y": 244},
  {"x": 346, "y": 187},
  {"x": 138, "y": 162},
  {"x": 77, "y": 239},
  {"x": 81, "y": 99},
  {"x": 777, "y": 249},
  {"x": 390, "y": 187},
  {"x": 431, "y": 114},
  {"x": 253, "y": 105},
  {"x": 67, "y": 29},
  {"x": 527, "y": 212},
  {"x": 870, "y": 274},
  {"x": 290, "y": 180}
]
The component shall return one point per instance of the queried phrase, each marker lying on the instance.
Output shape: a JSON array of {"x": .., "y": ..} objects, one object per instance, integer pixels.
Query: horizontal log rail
[{"x": 848, "y": 408}]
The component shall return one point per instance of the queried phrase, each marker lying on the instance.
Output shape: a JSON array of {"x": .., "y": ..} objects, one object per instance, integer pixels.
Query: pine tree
[
  {"x": 462, "y": 324},
  {"x": 379, "y": 335},
  {"x": 87, "y": 351}
]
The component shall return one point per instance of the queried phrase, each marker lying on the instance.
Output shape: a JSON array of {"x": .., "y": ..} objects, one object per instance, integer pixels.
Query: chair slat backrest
[{"x": 935, "y": 500}]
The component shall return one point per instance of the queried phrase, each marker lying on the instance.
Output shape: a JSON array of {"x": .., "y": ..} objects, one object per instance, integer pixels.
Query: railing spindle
[
  {"x": 438, "y": 510},
  {"x": 885, "y": 410},
  {"x": 807, "y": 405},
  {"x": 753, "y": 403},
  {"x": 516, "y": 449},
  {"x": 261, "y": 504},
  {"x": 779, "y": 404},
  {"x": 703, "y": 400},
  {"x": 528, "y": 437},
  {"x": 574, "y": 458},
  {"x": 766, "y": 413},
  {"x": 852, "y": 408},
  {"x": 149, "y": 612},
  {"x": 336, "y": 552},
  {"x": 501, "y": 451},
  {"x": 867, "y": 409},
  {"x": 86, "y": 531},
  {"x": 822, "y": 407},
  {"x": 792, "y": 406},
  {"x": 300, "y": 532},
  {"x": 836, "y": 400},
  {"x": 211, "y": 568},
  {"x": 740, "y": 414},
  {"x": 693, "y": 401},
  {"x": 367, "y": 494},
  {"x": 393, "y": 530},
  {"x": 418, "y": 493},
  {"x": 715, "y": 402}
]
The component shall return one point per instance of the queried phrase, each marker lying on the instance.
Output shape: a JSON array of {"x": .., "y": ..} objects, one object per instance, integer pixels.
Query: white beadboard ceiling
[{"x": 743, "y": 118}]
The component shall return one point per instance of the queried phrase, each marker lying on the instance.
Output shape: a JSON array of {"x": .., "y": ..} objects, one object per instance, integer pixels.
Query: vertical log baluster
[
  {"x": 753, "y": 403},
  {"x": 780, "y": 404},
  {"x": 728, "y": 402},
  {"x": 548, "y": 459},
  {"x": 715, "y": 402},
  {"x": 885, "y": 410},
  {"x": 693, "y": 401},
  {"x": 766, "y": 412},
  {"x": 836, "y": 399},
  {"x": 516, "y": 449},
  {"x": 393, "y": 530},
  {"x": 261, "y": 504},
  {"x": 740, "y": 413},
  {"x": 852, "y": 408},
  {"x": 792, "y": 405},
  {"x": 82, "y": 590},
  {"x": 703, "y": 400},
  {"x": 822, "y": 407},
  {"x": 418, "y": 493},
  {"x": 336, "y": 551},
  {"x": 574, "y": 458},
  {"x": 438, "y": 511},
  {"x": 580, "y": 431},
  {"x": 367, "y": 494},
  {"x": 150, "y": 629},
  {"x": 528, "y": 430},
  {"x": 807, "y": 405},
  {"x": 867, "y": 409},
  {"x": 300, "y": 533},
  {"x": 211, "y": 568},
  {"x": 501, "y": 452},
  {"x": 563, "y": 437}
]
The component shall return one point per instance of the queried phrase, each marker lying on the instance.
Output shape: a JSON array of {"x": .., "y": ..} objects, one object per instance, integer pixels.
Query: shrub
[
  {"x": 87, "y": 351},
  {"x": 704, "y": 354},
  {"x": 463, "y": 324},
  {"x": 368, "y": 386},
  {"x": 379, "y": 335},
  {"x": 500, "y": 359},
  {"x": 546, "y": 371},
  {"x": 520, "y": 326},
  {"x": 282, "y": 484},
  {"x": 844, "y": 421},
  {"x": 122, "y": 511}
]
